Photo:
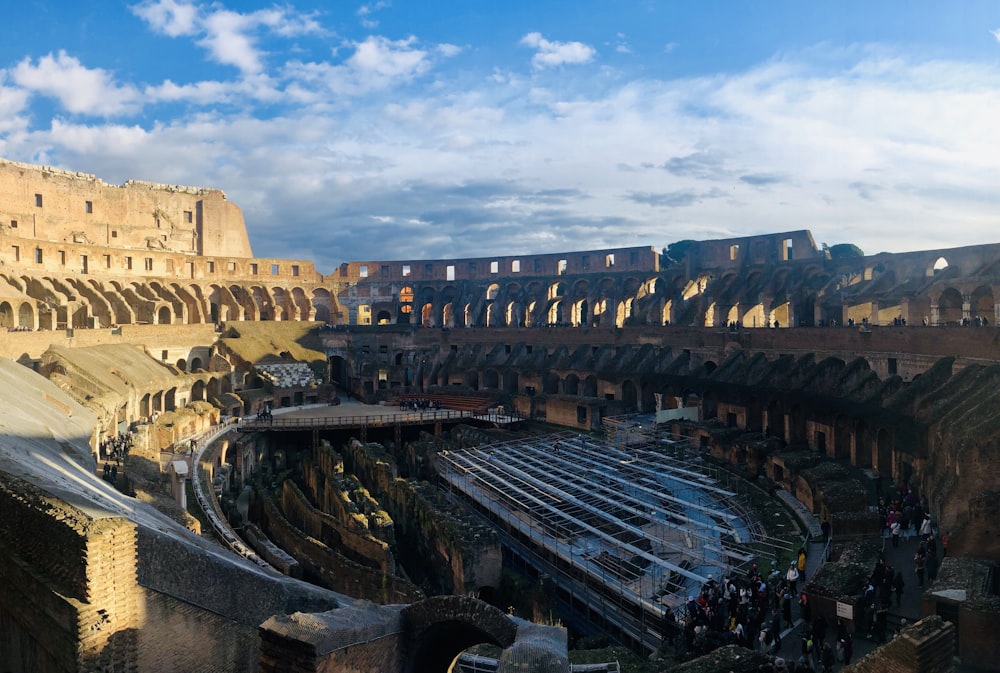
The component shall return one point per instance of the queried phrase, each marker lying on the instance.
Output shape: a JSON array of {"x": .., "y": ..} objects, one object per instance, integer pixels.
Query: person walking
[{"x": 919, "y": 562}]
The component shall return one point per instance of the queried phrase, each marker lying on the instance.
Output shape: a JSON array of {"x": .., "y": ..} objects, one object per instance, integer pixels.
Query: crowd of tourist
[
  {"x": 754, "y": 611},
  {"x": 116, "y": 447},
  {"x": 419, "y": 404}
]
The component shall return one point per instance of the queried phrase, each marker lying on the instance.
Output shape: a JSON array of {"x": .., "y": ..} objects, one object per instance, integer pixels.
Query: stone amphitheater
[{"x": 139, "y": 310}]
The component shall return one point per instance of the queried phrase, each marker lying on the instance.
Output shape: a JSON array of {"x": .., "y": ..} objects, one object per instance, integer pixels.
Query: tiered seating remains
[
  {"x": 288, "y": 374},
  {"x": 455, "y": 402}
]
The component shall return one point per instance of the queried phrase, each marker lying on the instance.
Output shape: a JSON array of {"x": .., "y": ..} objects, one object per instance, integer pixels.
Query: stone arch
[
  {"x": 882, "y": 458},
  {"x": 338, "y": 371},
  {"x": 982, "y": 304},
  {"x": 579, "y": 313},
  {"x": 26, "y": 315},
  {"x": 182, "y": 365},
  {"x": 550, "y": 384},
  {"x": 555, "y": 313},
  {"x": 571, "y": 384},
  {"x": 843, "y": 438},
  {"x": 383, "y": 318},
  {"x": 427, "y": 315},
  {"x": 511, "y": 314},
  {"x": 198, "y": 391},
  {"x": 492, "y": 291},
  {"x": 590, "y": 386},
  {"x": 557, "y": 289},
  {"x": 949, "y": 306},
  {"x": 624, "y": 311},
  {"x": 442, "y": 627},
  {"x": 163, "y": 315},
  {"x": 630, "y": 396},
  {"x": 936, "y": 266},
  {"x": 511, "y": 381},
  {"x": 405, "y": 305},
  {"x": 472, "y": 379},
  {"x": 196, "y": 364},
  {"x": 491, "y": 380},
  {"x": 322, "y": 306},
  {"x": 6, "y": 315}
]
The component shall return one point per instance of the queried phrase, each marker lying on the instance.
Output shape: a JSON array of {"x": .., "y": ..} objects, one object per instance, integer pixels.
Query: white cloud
[
  {"x": 13, "y": 109},
  {"x": 229, "y": 37},
  {"x": 551, "y": 54},
  {"x": 79, "y": 89},
  {"x": 169, "y": 17},
  {"x": 365, "y": 13},
  {"x": 996, "y": 34},
  {"x": 376, "y": 64}
]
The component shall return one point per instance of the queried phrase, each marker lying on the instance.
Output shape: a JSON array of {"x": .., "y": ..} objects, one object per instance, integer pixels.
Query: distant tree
[
  {"x": 676, "y": 252},
  {"x": 844, "y": 251}
]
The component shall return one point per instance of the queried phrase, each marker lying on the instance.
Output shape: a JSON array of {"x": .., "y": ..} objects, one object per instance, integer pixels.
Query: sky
[{"x": 405, "y": 129}]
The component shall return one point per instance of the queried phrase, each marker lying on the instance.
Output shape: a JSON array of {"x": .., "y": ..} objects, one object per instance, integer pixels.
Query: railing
[
  {"x": 357, "y": 420},
  {"x": 209, "y": 504}
]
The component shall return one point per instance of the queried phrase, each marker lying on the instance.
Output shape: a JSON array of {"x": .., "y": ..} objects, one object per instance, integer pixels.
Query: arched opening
[
  {"x": 383, "y": 318},
  {"x": 472, "y": 380},
  {"x": 6, "y": 315},
  {"x": 950, "y": 307},
  {"x": 510, "y": 381},
  {"x": 571, "y": 385},
  {"x": 163, "y": 316},
  {"x": 579, "y": 315},
  {"x": 590, "y": 386},
  {"x": 883, "y": 456},
  {"x": 555, "y": 316},
  {"x": 198, "y": 391},
  {"x": 491, "y": 380},
  {"x": 630, "y": 396},
  {"x": 550, "y": 384},
  {"x": 492, "y": 291},
  {"x": 939, "y": 265},
  {"x": 843, "y": 438},
  {"x": 405, "y": 305},
  {"x": 26, "y": 316},
  {"x": 427, "y": 315},
  {"x": 983, "y": 307},
  {"x": 182, "y": 365},
  {"x": 338, "y": 371},
  {"x": 196, "y": 364}
]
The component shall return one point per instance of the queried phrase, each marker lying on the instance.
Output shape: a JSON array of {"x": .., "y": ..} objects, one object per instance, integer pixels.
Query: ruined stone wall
[
  {"x": 184, "y": 638},
  {"x": 47, "y": 204},
  {"x": 68, "y": 593},
  {"x": 331, "y": 569},
  {"x": 221, "y": 583},
  {"x": 177, "y": 341},
  {"x": 358, "y": 639},
  {"x": 505, "y": 268},
  {"x": 359, "y": 546},
  {"x": 925, "y": 647}
]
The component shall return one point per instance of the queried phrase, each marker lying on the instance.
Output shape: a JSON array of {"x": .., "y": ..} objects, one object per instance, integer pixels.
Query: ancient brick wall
[
  {"x": 68, "y": 593},
  {"x": 359, "y": 546},
  {"x": 183, "y": 638},
  {"x": 925, "y": 647},
  {"x": 208, "y": 580},
  {"x": 357, "y": 639},
  {"x": 331, "y": 569}
]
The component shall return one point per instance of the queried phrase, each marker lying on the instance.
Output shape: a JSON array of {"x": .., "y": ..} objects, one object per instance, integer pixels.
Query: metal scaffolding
[{"x": 622, "y": 530}]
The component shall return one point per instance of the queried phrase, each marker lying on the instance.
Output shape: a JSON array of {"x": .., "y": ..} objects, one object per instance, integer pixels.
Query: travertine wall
[{"x": 47, "y": 204}]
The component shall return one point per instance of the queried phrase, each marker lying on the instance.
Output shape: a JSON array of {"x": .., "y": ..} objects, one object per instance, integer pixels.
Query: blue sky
[{"x": 402, "y": 129}]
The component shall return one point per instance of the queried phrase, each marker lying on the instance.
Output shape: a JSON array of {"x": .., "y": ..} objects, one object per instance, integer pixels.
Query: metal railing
[{"x": 378, "y": 420}]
